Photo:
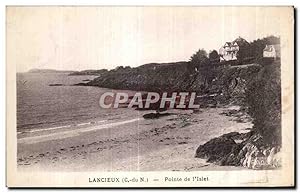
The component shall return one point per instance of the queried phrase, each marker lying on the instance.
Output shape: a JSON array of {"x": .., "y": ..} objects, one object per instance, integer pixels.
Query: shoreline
[
  {"x": 136, "y": 144},
  {"x": 67, "y": 132}
]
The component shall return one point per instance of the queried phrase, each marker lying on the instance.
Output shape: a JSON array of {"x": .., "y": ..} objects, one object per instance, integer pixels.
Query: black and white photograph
[{"x": 150, "y": 96}]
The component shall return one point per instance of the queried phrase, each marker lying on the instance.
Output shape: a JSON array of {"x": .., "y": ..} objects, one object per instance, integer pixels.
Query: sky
[{"x": 80, "y": 38}]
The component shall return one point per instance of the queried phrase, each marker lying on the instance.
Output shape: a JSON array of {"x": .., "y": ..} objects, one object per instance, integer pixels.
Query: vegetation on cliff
[
  {"x": 149, "y": 77},
  {"x": 263, "y": 97}
]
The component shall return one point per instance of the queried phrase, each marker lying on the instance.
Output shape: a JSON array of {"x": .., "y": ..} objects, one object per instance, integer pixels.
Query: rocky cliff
[
  {"x": 255, "y": 87},
  {"x": 148, "y": 77},
  {"x": 179, "y": 76}
]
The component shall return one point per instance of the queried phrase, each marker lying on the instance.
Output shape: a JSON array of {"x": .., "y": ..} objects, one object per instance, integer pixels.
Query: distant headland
[{"x": 37, "y": 70}]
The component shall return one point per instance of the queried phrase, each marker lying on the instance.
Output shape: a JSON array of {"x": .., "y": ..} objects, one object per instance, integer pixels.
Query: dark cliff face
[
  {"x": 263, "y": 98},
  {"x": 233, "y": 81},
  {"x": 180, "y": 77},
  {"x": 165, "y": 77},
  {"x": 257, "y": 88}
]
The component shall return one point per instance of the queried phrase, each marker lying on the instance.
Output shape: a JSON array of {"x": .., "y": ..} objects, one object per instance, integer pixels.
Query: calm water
[{"x": 42, "y": 106}]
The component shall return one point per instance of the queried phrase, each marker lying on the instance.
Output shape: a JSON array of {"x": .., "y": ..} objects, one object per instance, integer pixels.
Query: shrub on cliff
[
  {"x": 263, "y": 97},
  {"x": 214, "y": 57}
]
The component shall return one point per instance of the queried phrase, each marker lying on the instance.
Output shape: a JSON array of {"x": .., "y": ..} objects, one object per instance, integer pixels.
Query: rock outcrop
[
  {"x": 250, "y": 152},
  {"x": 163, "y": 77},
  {"x": 216, "y": 149}
]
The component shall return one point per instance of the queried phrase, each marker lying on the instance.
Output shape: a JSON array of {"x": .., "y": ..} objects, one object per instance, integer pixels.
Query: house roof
[
  {"x": 231, "y": 44},
  {"x": 269, "y": 48},
  {"x": 228, "y": 43}
]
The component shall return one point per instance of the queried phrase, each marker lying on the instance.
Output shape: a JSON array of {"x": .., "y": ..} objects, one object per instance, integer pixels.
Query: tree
[
  {"x": 244, "y": 48},
  {"x": 200, "y": 67},
  {"x": 199, "y": 59},
  {"x": 119, "y": 67},
  {"x": 244, "y": 52},
  {"x": 200, "y": 55},
  {"x": 214, "y": 56}
]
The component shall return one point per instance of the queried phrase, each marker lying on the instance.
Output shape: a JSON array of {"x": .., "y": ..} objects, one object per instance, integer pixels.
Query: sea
[{"x": 41, "y": 106}]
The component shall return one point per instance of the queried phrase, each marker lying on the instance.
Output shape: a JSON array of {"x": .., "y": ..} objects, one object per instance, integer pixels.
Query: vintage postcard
[{"x": 141, "y": 96}]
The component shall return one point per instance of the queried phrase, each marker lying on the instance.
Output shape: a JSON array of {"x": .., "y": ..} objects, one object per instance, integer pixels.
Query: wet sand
[{"x": 129, "y": 144}]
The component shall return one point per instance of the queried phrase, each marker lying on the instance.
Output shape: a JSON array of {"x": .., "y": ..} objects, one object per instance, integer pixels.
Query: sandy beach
[{"x": 129, "y": 144}]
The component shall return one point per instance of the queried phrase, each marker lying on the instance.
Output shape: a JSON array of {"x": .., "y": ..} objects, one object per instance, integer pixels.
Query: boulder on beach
[
  {"x": 56, "y": 85},
  {"x": 216, "y": 149},
  {"x": 155, "y": 115}
]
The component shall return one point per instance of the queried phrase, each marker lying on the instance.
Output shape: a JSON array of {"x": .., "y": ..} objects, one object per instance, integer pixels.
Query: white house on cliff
[
  {"x": 229, "y": 51},
  {"x": 272, "y": 51}
]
